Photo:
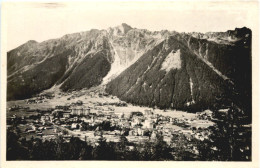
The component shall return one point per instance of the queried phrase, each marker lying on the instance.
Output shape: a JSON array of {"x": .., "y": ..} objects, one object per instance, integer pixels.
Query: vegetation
[
  {"x": 33, "y": 81},
  {"x": 88, "y": 73},
  {"x": 58, "y": 149}
]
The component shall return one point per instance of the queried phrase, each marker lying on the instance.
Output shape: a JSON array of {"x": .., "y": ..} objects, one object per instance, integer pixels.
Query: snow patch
[
  {"x": 144, "y": 85},
  {"x": 172, "y": 61},
  {"x": 120, "y": 62},
  {"x": 191, "y": 93},
  {"x": 116, "y": 67},
  {"x": 191, "y": 87}
]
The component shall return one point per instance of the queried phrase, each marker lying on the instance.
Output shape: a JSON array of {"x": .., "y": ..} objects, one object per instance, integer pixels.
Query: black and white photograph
[{"x": 129, "y": 81}]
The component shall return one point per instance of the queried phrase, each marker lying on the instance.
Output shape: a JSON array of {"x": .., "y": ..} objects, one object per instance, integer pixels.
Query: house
[
  {"x": 51, "y": 118},
  {"x": 167, "y": 139},
  {"x": 148, "y": 112},
  {"x": 126, "y": 124},
  {"x": 153, "y": 135},
  {"x": 80, "y": 111},
  {"x": 136, "y": 113},
  {"x": 62, "y": 107},
  {"x": 86, "y": 120},
  {"x": 130, "y": 148},
  {"x": 187, "y": 131},
  {"x": 148, "y": 124},
  {"x": 66, "y": 114},
  {"x": 140, "y": 131},
  {"x": 45, "y": 117},
  {"x": 100, "y": 113},
  {"x": 57, "y": 112},
  {"x": 131, "y": 133},
  {"x": 205, "y": 115},
  {"x": 122, "y": 115},
  {"x": 79, "y": 103},
  {"x": 136, "y": 121},
  {"x": 74, "y": 126},
  {"x": 31, "y": 101}
]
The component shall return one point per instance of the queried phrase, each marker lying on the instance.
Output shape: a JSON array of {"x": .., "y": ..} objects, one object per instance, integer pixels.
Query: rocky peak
[
  {"x": 124, "y": 28},
  {"x": 120, "y": 30}
]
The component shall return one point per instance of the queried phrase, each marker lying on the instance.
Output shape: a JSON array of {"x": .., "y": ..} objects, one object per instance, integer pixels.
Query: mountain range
[{"x": 165, "y": 69}]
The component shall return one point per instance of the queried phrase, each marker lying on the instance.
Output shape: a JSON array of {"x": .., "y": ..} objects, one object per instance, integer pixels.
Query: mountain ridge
[{"x": 108, "y": 57}]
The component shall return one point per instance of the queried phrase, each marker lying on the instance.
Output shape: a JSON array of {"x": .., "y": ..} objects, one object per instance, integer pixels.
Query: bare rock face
[
  {"x": 128, "y": 45},
  {"x": 161, "y": 68}
]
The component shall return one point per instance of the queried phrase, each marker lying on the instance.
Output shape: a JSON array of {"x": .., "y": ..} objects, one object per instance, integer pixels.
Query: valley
[{"x": 132, "y": 94}]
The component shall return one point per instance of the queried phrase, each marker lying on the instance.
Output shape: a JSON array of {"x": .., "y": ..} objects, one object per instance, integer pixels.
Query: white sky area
[{"x": 43, "y": 21}]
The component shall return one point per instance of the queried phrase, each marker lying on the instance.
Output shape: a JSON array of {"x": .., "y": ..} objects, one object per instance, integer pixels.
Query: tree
[
  {"x": 103, "y": 150},
  {"x": 15, "y": 151},
  {"x": 160, "y": 149},
  {"x": 179, "y": 146},
  {"x": 86, "y": 153},
  {"x": 228, "y": 140}
]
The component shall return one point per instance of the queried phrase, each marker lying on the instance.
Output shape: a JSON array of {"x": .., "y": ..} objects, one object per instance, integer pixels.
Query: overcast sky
[{"x": 43, "y": 21}]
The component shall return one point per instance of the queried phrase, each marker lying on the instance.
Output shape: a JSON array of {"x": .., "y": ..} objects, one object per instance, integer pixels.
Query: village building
[
  {"x": 74, "y": 126},
  {"x": 148, "y": 113},
  {"x": 80, "y": 111},
  {"x": 66, "y": 114},
  {"x": 148, "y": 123},
  {"x": 136, "y": 121}
]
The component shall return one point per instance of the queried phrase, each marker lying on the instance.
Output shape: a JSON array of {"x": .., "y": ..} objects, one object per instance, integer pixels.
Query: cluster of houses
[
  {"x": 139, "y": 125},
  {"x": 205, "y": 115},
  {"x": 40, "y": 98},
  {"x": 136, "y": 126}
]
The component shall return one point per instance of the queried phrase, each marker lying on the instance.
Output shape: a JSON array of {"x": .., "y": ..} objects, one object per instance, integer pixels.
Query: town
[
  {"x": 91, "y": 116},
  {"x": 89, "y": 121}
]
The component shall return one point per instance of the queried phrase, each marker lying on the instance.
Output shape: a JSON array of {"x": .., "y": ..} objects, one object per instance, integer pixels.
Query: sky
[{"x": 42, "y": 21}]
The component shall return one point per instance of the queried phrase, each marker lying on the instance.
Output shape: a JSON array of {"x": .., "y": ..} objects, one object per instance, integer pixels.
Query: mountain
[
  {"x": 75, "y": 61},
  {"x": 189, "y": 71},
  {"x": 151, "y": 68}
]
